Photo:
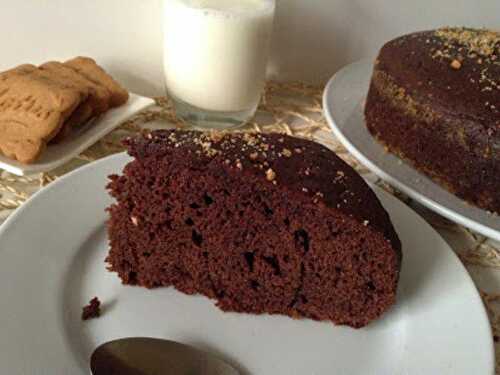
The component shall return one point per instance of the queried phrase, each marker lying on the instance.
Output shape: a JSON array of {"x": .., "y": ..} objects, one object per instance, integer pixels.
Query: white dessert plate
[
  {"x": 343, "y": 104},
  {"x": 52, "y": 252},
  {"x": 56, "y": 155}
]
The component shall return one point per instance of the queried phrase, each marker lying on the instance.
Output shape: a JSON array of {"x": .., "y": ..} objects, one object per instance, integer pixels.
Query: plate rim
[
  {"x": 10, "y": 222},
  {"x": 360, "y": 156},
  {"x": 18, "y": 211}
]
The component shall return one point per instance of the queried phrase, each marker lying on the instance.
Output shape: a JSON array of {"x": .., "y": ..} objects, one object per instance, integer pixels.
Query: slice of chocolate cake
[{"x": 261, "y": 223}]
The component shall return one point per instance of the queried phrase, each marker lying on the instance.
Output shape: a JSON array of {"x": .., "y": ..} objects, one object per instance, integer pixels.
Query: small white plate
[
  {"x": 56, "y": 155},
  {"x": 52, "y": 252},
  {"x": 343, "y": 104}
]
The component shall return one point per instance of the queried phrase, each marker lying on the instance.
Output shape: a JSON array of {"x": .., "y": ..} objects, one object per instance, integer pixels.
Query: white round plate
[
  {"x": 343, "y": 103},
  {"x": 52, "y": 252}
]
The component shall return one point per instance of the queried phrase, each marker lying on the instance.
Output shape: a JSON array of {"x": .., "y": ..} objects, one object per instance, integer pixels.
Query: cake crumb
[
  {"x": 270, "y": 175},
  {"x": 456, "y": 64},
  {"x": 366, "y": 222},
  {"x": 92, "y": 310}
]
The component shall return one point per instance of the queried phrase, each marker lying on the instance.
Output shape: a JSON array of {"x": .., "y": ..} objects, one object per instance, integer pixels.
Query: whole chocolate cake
[
  {"x": 434, "y": 100},
  {"x": 261, "y": 223}
]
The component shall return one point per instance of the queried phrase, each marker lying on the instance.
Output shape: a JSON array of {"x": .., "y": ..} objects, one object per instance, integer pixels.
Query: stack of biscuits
[{"x": 41, "y": 105}]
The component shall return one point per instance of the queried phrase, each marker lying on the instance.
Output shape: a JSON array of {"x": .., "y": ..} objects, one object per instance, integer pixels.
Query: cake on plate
[
  {"x": 434, "y": 100},
  {"x": 260, "y": 223}
]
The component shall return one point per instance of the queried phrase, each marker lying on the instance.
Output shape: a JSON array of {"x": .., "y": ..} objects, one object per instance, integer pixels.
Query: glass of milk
[{"x": 215, "y": 57}]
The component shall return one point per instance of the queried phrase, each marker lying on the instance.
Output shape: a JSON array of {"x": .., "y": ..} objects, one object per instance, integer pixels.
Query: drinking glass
[{"x": 215, "y": 58}]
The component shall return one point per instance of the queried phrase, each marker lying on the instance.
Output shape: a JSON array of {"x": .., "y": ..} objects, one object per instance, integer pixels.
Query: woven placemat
[{"x": 291, "y": 108}]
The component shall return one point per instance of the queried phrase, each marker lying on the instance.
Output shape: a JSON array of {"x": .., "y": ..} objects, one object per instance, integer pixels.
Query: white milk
[{"x": 215, "y": 51}]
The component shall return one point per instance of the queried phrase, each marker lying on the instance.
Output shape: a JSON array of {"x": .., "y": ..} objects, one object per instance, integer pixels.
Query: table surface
[{"x": 293, "y": 108}]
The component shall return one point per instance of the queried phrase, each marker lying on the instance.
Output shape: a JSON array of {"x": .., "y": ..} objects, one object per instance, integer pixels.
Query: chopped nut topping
[
  {"x": 134, "y": 220},
  {"x": 480, "y": 42},
  {"x": 286, "y": 152},
  {"x": 298, "y": 150},
  {"x": 238, "y": 164},
  {"x": 254, "y": 156},
  {"x": 270, "y": 175},
  {"x": 216, "y": 136},
  {"x": 455, "y": 64}
]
